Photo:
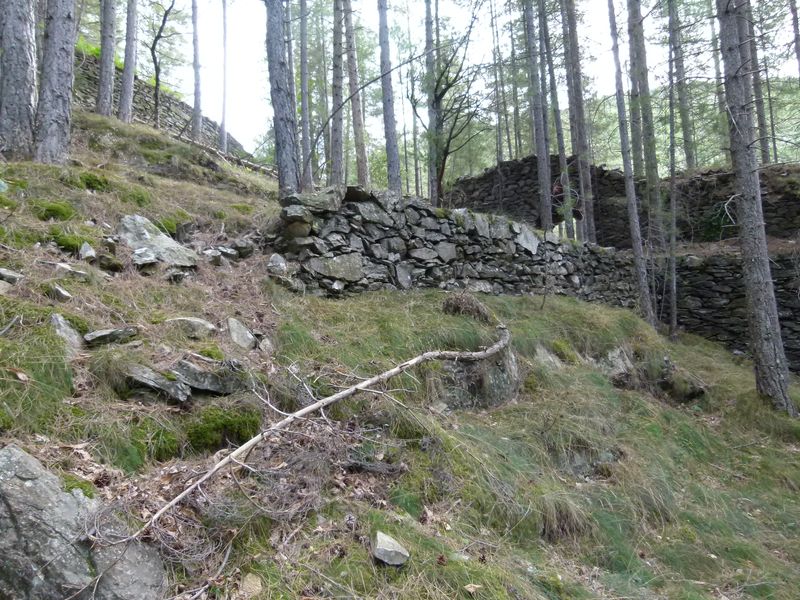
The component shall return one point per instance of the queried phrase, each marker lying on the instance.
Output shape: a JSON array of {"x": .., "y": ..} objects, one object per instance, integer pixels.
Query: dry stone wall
[
  {"x": 349, "y": 240},
  {"x": 175, "y": 114}
]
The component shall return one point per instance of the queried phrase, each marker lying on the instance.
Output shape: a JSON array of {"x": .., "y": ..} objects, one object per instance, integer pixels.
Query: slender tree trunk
[
  {"x": 673, "y": 177},
  {"x": 289, "y": 40},
  {"x": 720, "y": 88},
  {"x": 337, "y": 135},
  {"x": 640, "y": 267},
  {"x": 322, "y": 75},
  {"x": 542, "y": 154},
  {"x": 515, "y": 92},
  {"x": 125, "y": 112},
  {"x": 307, "y": 179},
  {"x": 682, "y": 85},
  {"x": 758, "y": 90},
  {"x": 54, "y": 111},
  {"x": 796, "y": 28},
  {"x": 406, "y": 164},
  {"x": 415, "y": 137},
  {"x": 771, "y": 369},
  {"x": 433, "y": 112},
  {"x": 108, "y": 46},
  {"x": 564, "y": 181},
  {"x": 283, "y": 112},
  {"x": 389, "y": 124},
  {"x": 17, "y": 79},
  {"x": 362, "y": 166},
  {"x": 223, "y": 125},
  {"x": 197, "y": 108},
  {"x": 502, "y": 81},
  {"x": 498, "y": 107},
  {"x": 157, "y": 63},
  {"x": 582, "y": 151},
  {"x": 640, "y": 72},
  {"x": 637, "y": 149}
]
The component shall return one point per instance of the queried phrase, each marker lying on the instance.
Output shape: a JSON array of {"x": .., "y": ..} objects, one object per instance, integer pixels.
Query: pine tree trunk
[
  {"x": 223, "y": 124},
  {"x": 283, "y": 112},
  {"x": 287, "y": 29},
  {"x": 108, "y": 46},
  {"x": 54, "y": 114},
  {"x": 325, "y": 109},
  {"x": 640, "y": 267},
  {"x": 515, "y": 93},
  {"x": 564, "y": 181},
  {"x": 415, "y": 137},
  {"x": 406, "y": 164},
  {"x": 125, "y": 112},
  {"x": 682, "y": 85},
  {"x": 542, "y": 154},
  {"x": 41, "y": 19},
  {"x": 674, "y": 53},
  {"x": 337, "y": 98},
  {"x": 758, "y": 90},
  {"x": 197, "y": 108},
  {"x": 637, "y": 149},
  {"x": 362, "y": 167},
  {"x": 433, "y": 112},
  {"x": 502, "y": 82},
  {"x": 771, "y": 370},
  {"x": 640, "y": 71},
  {"x": 17, "y": 79},
  {"x": 389, "y": 124},
  {"x": 581, "y": 135},
  {"x": 719, "y": 87},
  {"x": 796, "y": 28},
  {"x": 307, "y": 179}
]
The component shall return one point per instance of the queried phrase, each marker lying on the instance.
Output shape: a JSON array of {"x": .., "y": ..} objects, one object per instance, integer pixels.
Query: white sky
[{"x": 249, "y": 112}]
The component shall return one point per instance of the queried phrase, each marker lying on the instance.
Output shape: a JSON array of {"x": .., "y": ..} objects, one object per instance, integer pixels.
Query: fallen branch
[{"x": 500, "y": 345}]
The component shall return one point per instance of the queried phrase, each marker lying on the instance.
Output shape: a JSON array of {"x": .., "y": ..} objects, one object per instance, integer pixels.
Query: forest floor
[{"x": 673, "y": 480}]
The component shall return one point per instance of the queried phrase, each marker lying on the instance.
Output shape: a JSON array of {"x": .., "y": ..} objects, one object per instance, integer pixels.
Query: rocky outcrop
[
  {"x": 44, "y": 551},
  {"x": 142, "y": 236}
]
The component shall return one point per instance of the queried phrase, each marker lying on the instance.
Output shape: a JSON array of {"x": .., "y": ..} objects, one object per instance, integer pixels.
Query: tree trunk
[
  {"x": 640, "y": 267},
  {"x": 223, "y": 125},
  {"x": 542, "y": 154},
  {"x": 581, "y": 136},
  {"x": 796, "y": 28},
  {"x": 758, "y": 90},
  {"x": 283, "y": 113},
  {"x": 54, "y": 114},
  {"x": 157, "y": 63},
  {"x": 502, "y": 81},
  {"x": 307, "y": 179},
  {"x": 433, "y": 111},
  {"x": 564, "y": 182},
  {"x": 771, "y": 370},
  {"x": 197, "y": 110},
  {"x": 639, "y": 71},
  {"x": 719, "y": 88},
  {"x": 515, "y": 92},
  {"x": 337, "y": 135},
  {"x": 362, "y": 167},
  {"x": 389, "y": 125},
  {"x": 682, "y": 85},
  {"x": 674, "y": 52},
  {"x": 325, "y": 110},
  {"x": 125, "y": 112},
  {"x": 17, "y": 79},
  {"x": 108, "y": 46},
  {"x": 287, "y": 30},
  {"x": 41, "y": 19}
]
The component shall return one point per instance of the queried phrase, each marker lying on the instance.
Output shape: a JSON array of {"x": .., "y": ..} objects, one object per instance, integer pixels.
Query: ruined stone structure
[
  {"x": 704, "y": 214},
  {"x": 342, "y": 241},
  {"x": 176, "y": 115}
]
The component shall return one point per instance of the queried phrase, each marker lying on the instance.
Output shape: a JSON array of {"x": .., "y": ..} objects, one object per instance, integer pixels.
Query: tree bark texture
[
  {"x": 17, "y": 79},
  {"x": 389, "y": 123},
  {"x": 337, "y": 93},
  {"x": 433, "y": 110},
  {"x": 306, "y": 179},
  {"x": 682, "y": 85},
  {"x": 125, "y": 112},
  {"x": 197, "y": 107},
  {"x": 54, "y": 114},
  {"x": 108, "y": 46},
  {"x": 640, "y": 267},
  {"x": 758, "y": 90},
  {"x": 771, "y": 370},
  {"x": 362, "y": 166},
  {"x": 282, "y": 108}
]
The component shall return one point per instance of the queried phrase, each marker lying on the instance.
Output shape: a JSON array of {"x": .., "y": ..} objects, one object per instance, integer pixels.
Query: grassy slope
[{"x": 690, "y": 502}]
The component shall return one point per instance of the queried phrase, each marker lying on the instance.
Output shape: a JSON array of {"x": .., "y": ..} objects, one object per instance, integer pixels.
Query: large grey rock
[
  {"x": 193, "y": 327},
  {"x": 138, "y": 376},
  {"x": 66, "y": 270},
  {"x": 144, "y": 257},
  {"x": 527, "y": 239},
  {"x": 57, "y": 293},
  {"x": 327, "y": 200},
  {"x": 10, "y": 276},
  {"x": 296, "y": 213},
  {"x": 388, "y": 550},
  {"x": 5, "y": 287},
  {"x": 138, "y": 232},
  {"x": 44, "y": 553},
  {"x": 86, "y": 252},
  {"x": 277, "y": 265},
  {"x": 373, "y": 213},
  {"x": 346, "y": 267},
  {"x": 73, "y": 342},
  {"x": 481, "y": 384},
  {"x": 222, "y": 381},
  {"x": 241, "y": 335},
  {"x": 110, "y": 336},
  {"x": 446, "y": 251}
]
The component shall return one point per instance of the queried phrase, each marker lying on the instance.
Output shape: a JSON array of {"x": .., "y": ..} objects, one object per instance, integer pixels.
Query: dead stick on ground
[{"x": 501, "y": 344}]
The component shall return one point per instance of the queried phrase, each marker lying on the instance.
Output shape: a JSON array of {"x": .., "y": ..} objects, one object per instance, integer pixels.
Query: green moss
[
  {"x": 6, "y": 421},
  {"x": 168, "y": 225},
  {"x": 563, "y": 350},
  {"x": 7, "y": 203},
  {"x": 68, "y": 240},
  {"x": 94, "y": 182},
  {"x": 441, "y": 212},
  {"x": 73, "y": 482},
  {"x": 216, "y": 427},
  {"x": 135, "y": 194},
  {"x": 219, "y": 214},
  {"x": 245, "y": 209},
  {"x": 155, "y": 440},
  {"x": 213, "y": 352},
  {"x": 46, "y": 210}
]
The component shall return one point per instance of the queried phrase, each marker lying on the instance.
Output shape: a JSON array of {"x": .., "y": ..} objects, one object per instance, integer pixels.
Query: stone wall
[
  {"x": 348, "y": 240},
  {"x": 176, "y": 115},
  {"x": 512, "y": 189}
]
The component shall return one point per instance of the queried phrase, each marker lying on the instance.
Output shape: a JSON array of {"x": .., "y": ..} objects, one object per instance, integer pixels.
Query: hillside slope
[{"x": 624, "y": 466}]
